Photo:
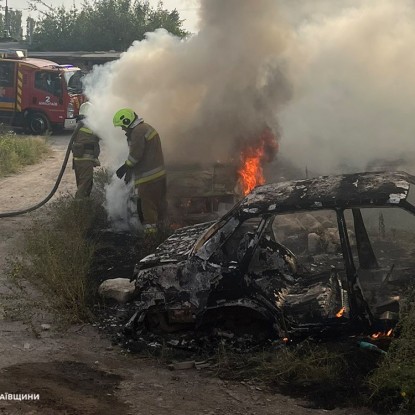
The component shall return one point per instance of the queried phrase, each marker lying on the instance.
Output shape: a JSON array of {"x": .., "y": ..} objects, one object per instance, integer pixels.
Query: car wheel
[{"x": 39, "y": 124}]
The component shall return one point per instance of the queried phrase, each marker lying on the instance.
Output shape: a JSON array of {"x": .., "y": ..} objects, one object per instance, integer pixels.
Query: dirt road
[{"x": 78, "y": 372}]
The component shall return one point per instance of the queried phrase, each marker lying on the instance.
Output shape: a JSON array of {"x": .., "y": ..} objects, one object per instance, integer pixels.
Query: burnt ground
[
  {"x": 68, "y": 387},
  {"x": 348, "y": 389},
  {"x": 79, "y": 370},
  {"x": 233, "y": 357}
]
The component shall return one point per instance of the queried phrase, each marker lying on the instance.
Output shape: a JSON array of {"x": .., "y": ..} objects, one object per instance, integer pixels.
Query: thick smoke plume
[
  {"x": 206, "y": 95},
  {"x": 219, "y": 87},
  {"x": 339, "y": 75},
  {"x": 353, "y": 104}
]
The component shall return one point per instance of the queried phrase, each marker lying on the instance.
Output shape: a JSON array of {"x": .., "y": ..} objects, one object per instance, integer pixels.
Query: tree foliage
[
  {"x": 12, "y": 26},
  {"x": 101, "y": 25}
]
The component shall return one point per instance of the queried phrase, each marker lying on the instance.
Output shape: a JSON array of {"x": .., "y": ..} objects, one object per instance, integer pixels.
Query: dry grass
[
  {"x": 304, "y": 363},
  {"x": 393, "y": 382},
  {"x": 17, "y": 151},
  {"x": 58, "y": 256}
]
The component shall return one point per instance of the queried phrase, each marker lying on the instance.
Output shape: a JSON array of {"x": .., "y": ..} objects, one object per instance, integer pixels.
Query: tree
[
  {"x": 12, "y": 28},
  {"x": 55, "y": 30},
  {"x": 101, "y": 25},
  {"x": 15, "y": 24}
]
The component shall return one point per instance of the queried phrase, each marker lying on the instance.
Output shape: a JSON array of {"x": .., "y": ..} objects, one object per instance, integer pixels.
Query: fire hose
[{"x": 55, "y": 187}]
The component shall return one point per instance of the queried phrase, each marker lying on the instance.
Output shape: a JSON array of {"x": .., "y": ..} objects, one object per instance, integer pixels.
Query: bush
[
  {"x": 17, "y": 151},
  {"x": 393, "y": 382},
  {"x": 59, "y": 255}
]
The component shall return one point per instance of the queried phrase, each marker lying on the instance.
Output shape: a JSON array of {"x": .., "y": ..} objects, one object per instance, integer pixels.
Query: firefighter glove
[
  {"x": 122, "y": 171},
  {"x": 128, "y": 176}
]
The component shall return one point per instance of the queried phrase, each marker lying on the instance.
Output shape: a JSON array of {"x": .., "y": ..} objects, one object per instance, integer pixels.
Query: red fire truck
[{"x": 38, "y": 95}]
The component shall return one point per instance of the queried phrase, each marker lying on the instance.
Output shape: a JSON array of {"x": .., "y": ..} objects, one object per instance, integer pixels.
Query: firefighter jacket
[
  {"x": 145, "y": 154},
  {"x": 86, "y": 145}
]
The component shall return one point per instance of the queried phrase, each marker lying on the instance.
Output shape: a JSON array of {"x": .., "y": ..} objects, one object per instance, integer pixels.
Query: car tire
[{"x": 38, "y": 124}]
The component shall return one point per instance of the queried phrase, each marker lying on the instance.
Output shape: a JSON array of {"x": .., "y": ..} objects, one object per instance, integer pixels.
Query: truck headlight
[{"x": 70, "y": 111}]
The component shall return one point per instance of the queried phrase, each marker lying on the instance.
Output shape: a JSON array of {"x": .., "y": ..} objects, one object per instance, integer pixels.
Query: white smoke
[
  {"x": 337, "y": 77},
  {"x": 203, "y": 94},
  {"x": 353, "y": 98}
]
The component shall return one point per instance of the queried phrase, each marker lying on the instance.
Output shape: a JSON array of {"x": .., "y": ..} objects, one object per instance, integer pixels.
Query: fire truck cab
[{"x": 38, "y": 95}]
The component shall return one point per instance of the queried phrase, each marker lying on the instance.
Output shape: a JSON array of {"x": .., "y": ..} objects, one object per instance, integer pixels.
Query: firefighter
[
  {"x": 85, "y": 151},
  {"x": 145, "y": 164}
]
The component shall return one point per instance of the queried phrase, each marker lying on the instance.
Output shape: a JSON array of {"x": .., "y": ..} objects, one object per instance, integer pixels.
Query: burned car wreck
[{"x": 293, "y": 259}]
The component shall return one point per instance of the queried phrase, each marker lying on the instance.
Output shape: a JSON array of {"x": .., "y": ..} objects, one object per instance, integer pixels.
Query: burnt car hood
[{"x": 176, "y": 247}]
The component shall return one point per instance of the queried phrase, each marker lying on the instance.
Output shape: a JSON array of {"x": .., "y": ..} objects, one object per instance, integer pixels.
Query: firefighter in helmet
[
  {"x": 145, "y": 164},
  {"x": 85, "y": 151}
]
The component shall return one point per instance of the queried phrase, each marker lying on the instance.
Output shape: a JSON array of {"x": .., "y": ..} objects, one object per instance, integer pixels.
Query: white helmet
[{"x": 85, "y": 108}]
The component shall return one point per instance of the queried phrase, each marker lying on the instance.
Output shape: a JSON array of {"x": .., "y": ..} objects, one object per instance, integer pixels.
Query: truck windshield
[{"x": 73, "y": 81}]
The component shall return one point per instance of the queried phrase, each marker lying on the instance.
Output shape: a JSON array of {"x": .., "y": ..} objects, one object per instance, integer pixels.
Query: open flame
[
  {"x": 380, "y": 334},
  {"x": 341, "y": 312},
  {"x": 252, "y": 156},
  {"x": 250, "y": 172}
]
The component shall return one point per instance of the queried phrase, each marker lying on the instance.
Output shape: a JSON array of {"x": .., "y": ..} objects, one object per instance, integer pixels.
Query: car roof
[{"x": 346, "y": 190}]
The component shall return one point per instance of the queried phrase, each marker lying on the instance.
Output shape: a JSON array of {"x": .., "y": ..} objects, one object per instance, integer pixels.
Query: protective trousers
[
  {"x": 84, "y": 174},
  {"x": 153, "y": 202}
]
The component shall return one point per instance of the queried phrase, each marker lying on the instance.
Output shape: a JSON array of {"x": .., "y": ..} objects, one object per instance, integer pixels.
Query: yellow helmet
[{"x": 124, "y": 117}]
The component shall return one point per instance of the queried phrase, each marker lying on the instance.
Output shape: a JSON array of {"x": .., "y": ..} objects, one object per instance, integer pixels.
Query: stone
[
  {"x": 182, "y": 365},
  {"x": 313, "y": 243},
  {"x": 118, "y": 289},
  {"x": 45, "y": 326}
]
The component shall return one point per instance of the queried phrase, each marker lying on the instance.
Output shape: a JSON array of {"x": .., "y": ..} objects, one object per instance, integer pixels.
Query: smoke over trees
[
  {"x": 100, "y": 25},
  {"x": 207, "y": 93}
]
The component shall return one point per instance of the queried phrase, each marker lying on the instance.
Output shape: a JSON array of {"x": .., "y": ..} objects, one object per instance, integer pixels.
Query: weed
[
  {"x": 393, "y": 382},
  {"x": 59, "y": 256},
  {"x": 305, "y": 363},
  {"x": 17, "y": 151}
]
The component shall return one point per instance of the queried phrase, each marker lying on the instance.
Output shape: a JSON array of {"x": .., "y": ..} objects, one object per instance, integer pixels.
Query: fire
[
  {"x": 253, "y": 155},
  {"x": 341, "y": 312},
  {"x": 250, "y": 172},
  {"x": 382, "y": 334}
]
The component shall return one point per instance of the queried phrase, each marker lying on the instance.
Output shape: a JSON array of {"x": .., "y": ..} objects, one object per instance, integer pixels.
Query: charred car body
[{"x": 292, "y": 259}]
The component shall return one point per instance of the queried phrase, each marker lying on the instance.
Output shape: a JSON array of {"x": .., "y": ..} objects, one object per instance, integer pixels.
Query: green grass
[{"x": 17, "y": 151}]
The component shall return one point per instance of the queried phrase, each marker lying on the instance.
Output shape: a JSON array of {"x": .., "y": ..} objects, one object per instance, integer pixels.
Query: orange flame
[
  {"x": 341, "y": 312},
  {"x": 262, "y": 150},
  {"x": 250, "y": 172},
  {"x": 382, "y": 334}
]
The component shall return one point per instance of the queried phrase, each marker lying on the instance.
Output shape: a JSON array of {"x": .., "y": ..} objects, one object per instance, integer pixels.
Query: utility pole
[{"x": 7, "y": 19}]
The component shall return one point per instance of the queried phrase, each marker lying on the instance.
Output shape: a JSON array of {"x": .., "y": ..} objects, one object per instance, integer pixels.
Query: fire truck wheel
[{"x": 38, "y": 124}]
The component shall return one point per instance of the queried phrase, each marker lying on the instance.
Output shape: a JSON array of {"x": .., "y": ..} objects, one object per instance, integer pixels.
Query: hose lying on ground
[{"x": 55, "y": 187}]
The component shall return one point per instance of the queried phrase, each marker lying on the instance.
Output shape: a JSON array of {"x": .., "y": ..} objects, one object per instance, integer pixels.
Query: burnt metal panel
[
  {"x": 325, "y": 192},
  {"x": 176, "y": 247}
]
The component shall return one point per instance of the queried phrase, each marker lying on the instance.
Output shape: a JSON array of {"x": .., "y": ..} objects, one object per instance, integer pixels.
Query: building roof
[{"x": 83, "y": 55}]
